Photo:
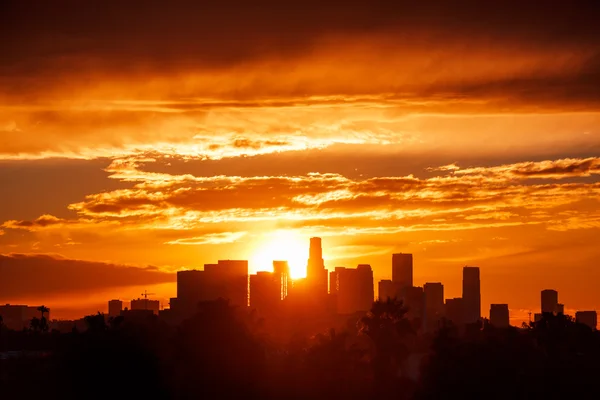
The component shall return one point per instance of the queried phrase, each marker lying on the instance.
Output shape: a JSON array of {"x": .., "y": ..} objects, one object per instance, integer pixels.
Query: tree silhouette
[
  {"x": 43, "y": 321},
  {"x": 34, "y": 324},
  {"x": 387, "y": 327}
]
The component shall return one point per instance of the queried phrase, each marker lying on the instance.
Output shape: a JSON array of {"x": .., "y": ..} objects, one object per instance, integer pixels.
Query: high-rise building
[
  {"x": 402, "y": 269},
  {"x": 414, "y": 300},
  {"x": 17, "y": 316},
  {"x": 145, "y": 304},
  {"x": 231, "y": 280},
  {"x": 316, "y": 274},
  {"x": 114, "y": 308},
  {"x": 228, "y": 279},
  {"x": 560, "y": 308},
  {"x": 589, "y": 318},
  {"x": 389, "y": 290},
  {"x": 265, "y": 291},
  {"x": 454, "y": 311},
  {"x": 499, "y": 315},
  {"x": 434, "y": 304},
  {"x": 282, "y": 270},
  {"x": 353, "y": 288},
  {"x": 549, "y": 301},
  {"x": 471, "y": 294}
]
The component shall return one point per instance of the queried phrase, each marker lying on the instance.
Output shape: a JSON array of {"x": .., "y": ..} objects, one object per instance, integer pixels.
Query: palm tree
[
  {"x": 387, "y": 327},
  {"x": 43, "y": 321}
]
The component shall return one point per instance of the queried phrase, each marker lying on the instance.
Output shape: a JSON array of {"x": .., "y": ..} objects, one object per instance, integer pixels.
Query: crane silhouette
[{"x": 145, "y": 295}]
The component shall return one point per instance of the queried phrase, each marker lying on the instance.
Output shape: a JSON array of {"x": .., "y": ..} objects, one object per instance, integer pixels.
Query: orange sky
[{"x": 172, "y": 137}]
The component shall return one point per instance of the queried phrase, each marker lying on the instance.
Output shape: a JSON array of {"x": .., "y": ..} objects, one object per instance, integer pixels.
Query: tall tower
[
  {"x": 471, "y": 294},
  {"x": 282, "y": 271},
  {"x": 316, "y": 274},
  {"x": 549, "y": 301},
  {"x": 402, "y": 270}
]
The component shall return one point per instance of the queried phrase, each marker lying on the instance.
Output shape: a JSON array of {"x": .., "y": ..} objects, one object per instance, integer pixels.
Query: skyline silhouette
[{"x": 341, "y": 291}]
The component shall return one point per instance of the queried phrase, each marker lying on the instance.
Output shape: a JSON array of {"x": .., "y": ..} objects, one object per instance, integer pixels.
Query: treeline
[{"x": 222, "y": 353}]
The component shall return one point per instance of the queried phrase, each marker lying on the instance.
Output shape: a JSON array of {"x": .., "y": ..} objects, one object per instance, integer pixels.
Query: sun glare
[{"x": 281, "y": 245}]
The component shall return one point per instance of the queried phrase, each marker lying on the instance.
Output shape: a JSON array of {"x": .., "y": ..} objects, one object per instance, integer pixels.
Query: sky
[{"x": 140, "y": 138}]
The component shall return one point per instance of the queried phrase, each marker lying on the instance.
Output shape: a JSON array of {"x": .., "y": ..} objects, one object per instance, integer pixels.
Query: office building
[
  {"x": 265, "y": 292},
  {"x": 17, "y": 317},
  {"x": 228, "y": 279},
  {"x": 114, "y": 308},
  {"x": 414, "y": 299},
  {"x": 589, "y": 318},
  {"x": 145, "y": 305},
  {"x": 454, "y": 311},
  {"x": 192, "y": 288},
  {"x": 402, "y": 269},
  {"x": 282, "y": 270},
  {"x": 471, "y": 295},
  {"x": 549, "y": 301},
  {"x": 499, "y": 315},
  {"x": 316, "y": 274},
  {"x": 353, "y": 288},
  {"x": 388, "y": 289},
  {"x": 560, "y": 308},
  {"x": 434, "y": 304}
]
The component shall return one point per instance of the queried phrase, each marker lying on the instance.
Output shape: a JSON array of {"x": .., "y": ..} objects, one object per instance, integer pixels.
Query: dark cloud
[
  {"x": 50, "y": 42},
  {"x": 38, "y": 275}
]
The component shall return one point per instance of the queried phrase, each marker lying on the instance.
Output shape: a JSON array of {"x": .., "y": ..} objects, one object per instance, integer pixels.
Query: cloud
[
  {"x": 303, "y": 77},
  {"x": 477, "y": 197},
  {"x": 211, "y": 238},
  {"x": 37, "y": 275},
  {"x": 43, "y": 221}
]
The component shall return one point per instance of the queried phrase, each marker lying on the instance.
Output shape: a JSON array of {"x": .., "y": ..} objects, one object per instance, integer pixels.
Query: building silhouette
[
  {"x": 282, "y": 270},
  {"x": 499, "y": 315},
  {"x": 454, "y": 311},
  {"x": 145, "y": 305},
  {"x": 589, "y": 318},
  {"x": 471, "y": 294},
  {"x": 434, "y": 304},
  {"x": 265, "y": 292},
  {"x": 560, "y": 308},
  {"x": 114, "y": 308},
  {"x": 227, "y": 279},
  {"x": 414, "y": 299},
  {"x": 18, "y": 317},
  {"x": 549, "y": 301},
  {"x": 387, "y": 289},
  {"x": 352, "y": 288},
  {"x": 402, "y": 269},
  {"x": 316, "y": 274}
]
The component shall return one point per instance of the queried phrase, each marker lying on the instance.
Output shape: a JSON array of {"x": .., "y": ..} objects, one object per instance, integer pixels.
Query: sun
[{"x": 281, "y": 245}]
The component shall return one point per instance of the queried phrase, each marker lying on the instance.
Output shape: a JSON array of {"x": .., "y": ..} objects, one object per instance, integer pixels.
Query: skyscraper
[
  {"x": 402, "y": 269},
  {"x": 414, "y": 300},
  {"x": 389, "y": 290},
  {"x": 499, "y": 315},
  {"x": 549, "y": 301},
  {"x": 589, "y": 318},
  {"x": 114, "y": 308},
  {"x": 353, "y": 288},
  {"x": 316, "y": 274},
  {"x": 265, "y": 291},
  {"x": 434, "y": 303},
  {"x": 471, "y": 291},
  {"x": 282, "y": 271},
  {"x": 454, "y": 311}
]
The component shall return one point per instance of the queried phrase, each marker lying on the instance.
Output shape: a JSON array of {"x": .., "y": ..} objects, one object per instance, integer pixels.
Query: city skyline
[
  {"x": 342, "y": 291},
  {"x": 244, "y": 130}
]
